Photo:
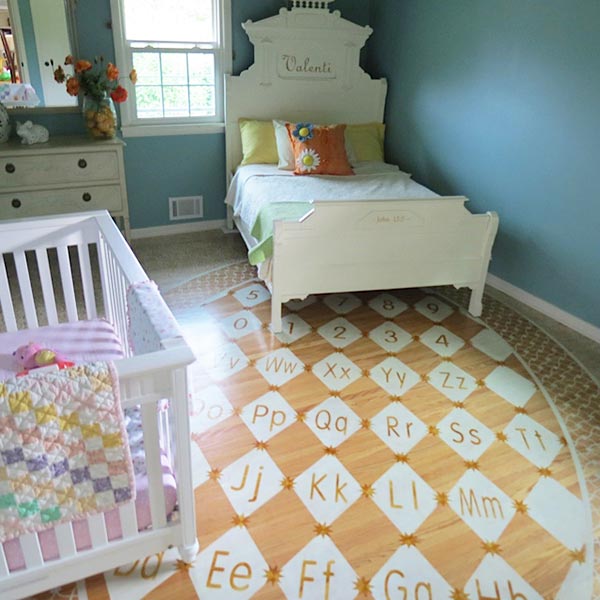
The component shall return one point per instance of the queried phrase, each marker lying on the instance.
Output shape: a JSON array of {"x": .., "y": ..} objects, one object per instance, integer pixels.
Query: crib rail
[{"x": 56, "y": 263}]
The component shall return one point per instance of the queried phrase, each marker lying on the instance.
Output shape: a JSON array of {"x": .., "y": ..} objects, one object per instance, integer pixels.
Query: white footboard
[{"x": 366, "y": 245}]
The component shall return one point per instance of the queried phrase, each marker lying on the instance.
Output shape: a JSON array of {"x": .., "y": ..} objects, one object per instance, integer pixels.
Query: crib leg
[{"x": 188, "y": 553}]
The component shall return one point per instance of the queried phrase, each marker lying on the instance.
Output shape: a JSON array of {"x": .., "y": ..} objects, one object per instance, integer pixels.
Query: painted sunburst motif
[
  {"x": 491, "y": 547},
  {"x": 240, "y": 520},
  {"x": 261, "y": 445},
  {"x": 182, "y": 565},
  {"x": 578, "y": 555},
  {"x": 273, "y": 574},
  {"x": 501, "y": 436},
  {"x": 214, "y": 474},
  {"x": 441, "y": 498},
  {"x": 322, "y": 529},
  {"x": 287, "y": 483},
  {"x": 458, "y": 594},
  {"x": 408, "y": 539},
  {"x": 308, "y": 161},
  {"x": 367, "y": 490},
  {"x": 401, "y": 458},
  {"x": 520, "y": 506},
  {"x": 363, "y": 586},
  {"x": 330, "y": 450}
]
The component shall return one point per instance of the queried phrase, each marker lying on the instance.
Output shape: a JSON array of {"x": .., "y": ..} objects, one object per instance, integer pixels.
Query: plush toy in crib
[{"x": 33, "y": 356}]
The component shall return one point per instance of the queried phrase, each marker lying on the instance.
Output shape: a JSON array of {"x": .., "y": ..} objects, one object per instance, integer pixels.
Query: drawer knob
[
  {"x": 86, "y": 197},
  {"x": 16, "y": 203},
  {"x": 82, "y": 163},
  {"x": 10, "y": 168}
]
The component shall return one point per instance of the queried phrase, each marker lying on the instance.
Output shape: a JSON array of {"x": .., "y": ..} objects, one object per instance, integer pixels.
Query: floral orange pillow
[{"x": 319, "y": 150}]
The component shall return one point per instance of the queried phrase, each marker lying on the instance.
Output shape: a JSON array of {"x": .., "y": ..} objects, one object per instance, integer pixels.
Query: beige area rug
[{"x": 384, "y": 446}]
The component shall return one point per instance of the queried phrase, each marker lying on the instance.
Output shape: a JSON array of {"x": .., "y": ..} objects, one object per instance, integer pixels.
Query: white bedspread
[{"x": 253, "y": 186}]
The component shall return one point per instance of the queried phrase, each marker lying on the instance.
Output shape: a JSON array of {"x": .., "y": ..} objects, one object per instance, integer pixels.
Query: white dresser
[{"x": 66, "y": 174}]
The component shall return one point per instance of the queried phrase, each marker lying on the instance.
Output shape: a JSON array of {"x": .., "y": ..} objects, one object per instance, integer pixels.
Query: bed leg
[
  {"x": 229, "y": 217},
  {"x": 276, "y": 325},
  {"x": 189, "y": 553},
  {"x": 475, "y": 303}
]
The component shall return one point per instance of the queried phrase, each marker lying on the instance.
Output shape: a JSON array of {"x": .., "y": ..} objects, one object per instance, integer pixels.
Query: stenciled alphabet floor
[{"x": 385, "y": 445}]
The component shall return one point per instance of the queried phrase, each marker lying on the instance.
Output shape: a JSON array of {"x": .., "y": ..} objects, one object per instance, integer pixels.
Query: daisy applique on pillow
[{"x": 319, "y": 150}]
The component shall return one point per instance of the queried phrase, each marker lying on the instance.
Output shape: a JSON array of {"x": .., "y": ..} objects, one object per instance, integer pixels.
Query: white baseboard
[
  {"x": 550, "y": 310},
  {"x": 146, "y": 232}
]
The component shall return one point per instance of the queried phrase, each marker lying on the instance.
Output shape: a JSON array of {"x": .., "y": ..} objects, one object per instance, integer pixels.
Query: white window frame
[{"x": 131, "y": 126}]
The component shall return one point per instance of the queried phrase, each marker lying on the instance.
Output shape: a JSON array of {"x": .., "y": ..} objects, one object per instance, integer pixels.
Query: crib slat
[
  {"x": 41, "y": 255},
  {"x": 153, "y": 465},
  {"x": 31, "y": 550},
  {"x": 85, "y": 268},
  {"x": 26, "y": 292},
  {"x": 98, "y": 530},
  {"x": 66, "y": 277},
  {"x": 129, "y": 526},
  {"x": 105, "y": 278},
  {"x": 5, "y": 300},
  {"x": 65, "y": 540},
  {"x": 3, "y": 563}
]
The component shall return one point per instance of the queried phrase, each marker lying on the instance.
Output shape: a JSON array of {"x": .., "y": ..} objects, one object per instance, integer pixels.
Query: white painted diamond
[
  {"x": 433, "y": 308},
  {"x": 342, "y": 304},
  {"x": 142, "y": 576},
  {"x": 200, "y": 466},
  {"x": 559, "y": 512},
  {"x": 452, "y": 381},
  {"x": 482, "y": 505},
  {"x": 209, "y": 407},
  {"x": 319, "y": 570},
  {"x": 223, "y": 361},
  {"x": 293, "y": 327},
  {"x": 441, "y": 340},
  {"x": 252, "y": 295},
  {"x": 390, "y": 336},
  {"x": 340, "y": 332},
  {"x": 495, "y": 578},
  {"x": 510, "y": 385},
  {"x": 490, "y": 343},
  {"x": 465, "y": 434},
  {"x": 231, "y": 567},
  {"x": 336, "y": 371},
  {"x": 387, "y": 305},
  {"x": 394, "y": 376},
  {"x": 250, "y": 481},
  {"x": 532, "y": 440},
  {"x": 404, "y": 497},
  {"x": 332, "y": 421},
  {"x": 398, "y": 428},
  {"x": 408, "y": 569},
  {"x": 240, "y": 324},
  {"x": 327, "y": 489},
  {"x": 297, "y": 305},
  {"x": 268, "y": 415},
  {"x": 280, "y": 366}
]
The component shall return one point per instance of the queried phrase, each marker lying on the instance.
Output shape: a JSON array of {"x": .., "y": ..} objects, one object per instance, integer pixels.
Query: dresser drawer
[
  {"x": 46, "y": 169},
  {"x": 28, "y": 204}
]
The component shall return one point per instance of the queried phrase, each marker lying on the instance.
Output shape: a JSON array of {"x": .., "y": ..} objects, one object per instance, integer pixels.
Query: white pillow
[{"x": 286, "y": 152}]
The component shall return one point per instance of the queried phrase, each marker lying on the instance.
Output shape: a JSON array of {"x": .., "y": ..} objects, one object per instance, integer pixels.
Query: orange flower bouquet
[{"x": 99, "y": 84}]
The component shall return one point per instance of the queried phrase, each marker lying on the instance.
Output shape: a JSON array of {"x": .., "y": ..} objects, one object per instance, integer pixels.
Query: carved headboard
[{"x": 306, "y": 68}]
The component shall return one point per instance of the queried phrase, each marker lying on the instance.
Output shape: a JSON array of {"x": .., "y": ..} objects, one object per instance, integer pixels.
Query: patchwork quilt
[{"x": 63, "y": 449}]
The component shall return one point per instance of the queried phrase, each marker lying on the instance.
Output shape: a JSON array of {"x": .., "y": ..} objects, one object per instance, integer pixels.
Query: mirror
[{"x": 34, "y": 33}]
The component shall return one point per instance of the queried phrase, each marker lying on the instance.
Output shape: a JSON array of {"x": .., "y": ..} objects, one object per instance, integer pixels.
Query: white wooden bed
[
  {"x": 344, "y": 246},
  {"x": 106, "y": 268}
]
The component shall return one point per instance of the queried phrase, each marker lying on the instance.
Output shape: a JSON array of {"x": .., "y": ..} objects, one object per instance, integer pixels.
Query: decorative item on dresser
[{"x": 66, "y": 174}]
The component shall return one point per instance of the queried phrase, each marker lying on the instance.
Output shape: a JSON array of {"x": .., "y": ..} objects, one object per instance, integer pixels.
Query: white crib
[{"x": 145, "y": 380}]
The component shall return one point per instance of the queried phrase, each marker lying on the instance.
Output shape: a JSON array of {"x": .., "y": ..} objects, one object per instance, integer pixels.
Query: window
[{"x": 180, "y": 50}]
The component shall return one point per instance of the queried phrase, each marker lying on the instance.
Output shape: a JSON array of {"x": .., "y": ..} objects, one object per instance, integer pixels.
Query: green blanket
[{"x": 262, "y": 230}]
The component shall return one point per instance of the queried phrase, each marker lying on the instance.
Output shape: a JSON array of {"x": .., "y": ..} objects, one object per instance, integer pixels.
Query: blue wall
[
  {"x": 159, "y": 167},
  {"x": 500, "y": 101}
]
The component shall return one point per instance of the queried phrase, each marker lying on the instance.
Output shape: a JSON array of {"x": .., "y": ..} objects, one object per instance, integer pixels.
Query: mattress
[{"x": 87, "y": 341}]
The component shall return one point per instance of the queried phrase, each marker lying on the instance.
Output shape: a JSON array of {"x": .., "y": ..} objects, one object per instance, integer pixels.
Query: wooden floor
[{"x": 383, "y": 446}]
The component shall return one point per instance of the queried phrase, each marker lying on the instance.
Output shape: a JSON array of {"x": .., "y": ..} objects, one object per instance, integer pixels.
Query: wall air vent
[{"x": 185, "y": 207}]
